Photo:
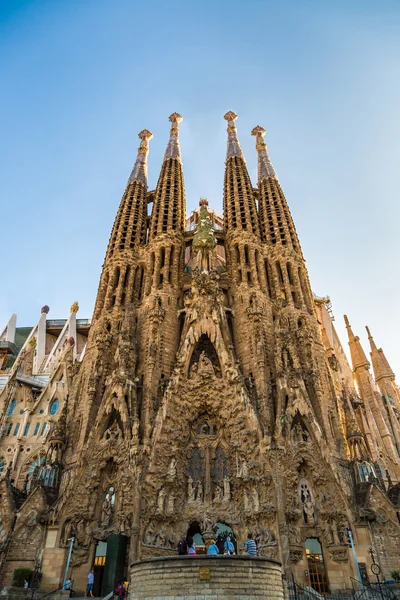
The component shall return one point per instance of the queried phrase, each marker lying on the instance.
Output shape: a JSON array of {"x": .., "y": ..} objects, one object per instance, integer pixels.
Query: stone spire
[
  {"x": 265, "y": 168},
  {"x": 277, "y": 226},
  {"x": 169, "y": 208},
  {"x": 173, "y": 149},
  {"x": 379, "y": 361},
  {"x": 240, "y": 212},
  {"x": 358, "y": 357},
  {"x": 233, "y": 146},
  {"x": 129, "y": 228},
  {"x": 139, "y": 171}
]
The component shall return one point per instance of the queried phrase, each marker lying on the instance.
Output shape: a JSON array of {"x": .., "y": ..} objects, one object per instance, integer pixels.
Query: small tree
[
  {"x": 395, "y": 575},
  {"x": 20, "y": 576}
]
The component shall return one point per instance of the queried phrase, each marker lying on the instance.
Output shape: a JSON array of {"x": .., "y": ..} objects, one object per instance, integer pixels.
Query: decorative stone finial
[
  {"x": 231, "y": 117},
  {"x": 173, "y": 149},
  {"x": 233, "y": 148},
  {"x": 175, "y": 119},
  {"x": 74, "y": 307},
  {"x": 45, "y": 309},
  {"x": 33, "y": 342},
  {"x": 139, "y": 171},
  {"x": 203, "y": 202},
  {"x": 265, "y": 168}
]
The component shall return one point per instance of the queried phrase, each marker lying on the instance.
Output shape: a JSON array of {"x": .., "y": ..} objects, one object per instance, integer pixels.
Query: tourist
[
  {"x": 89, "y": 587},
  {"x": 213, "y": 548},
  {"x": 191, "y": 546},
  {"x": 229, "y": 548},
  {"x": 220, "y": 544},
  {"x": 67, "y": 587},
  {"x": 250, "y": 545},
  {"x": 120, "y": 591},
  {"x": 182, "y": 548}
]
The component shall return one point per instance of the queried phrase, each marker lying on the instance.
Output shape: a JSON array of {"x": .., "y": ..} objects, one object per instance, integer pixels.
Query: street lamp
[{"x": 71, "y": 546}]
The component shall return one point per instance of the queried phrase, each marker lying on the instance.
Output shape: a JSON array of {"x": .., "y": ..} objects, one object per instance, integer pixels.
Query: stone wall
[{"x": 206, "y": 578}]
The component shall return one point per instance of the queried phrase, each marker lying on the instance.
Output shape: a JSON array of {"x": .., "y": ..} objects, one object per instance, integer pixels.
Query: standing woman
[{"x": 191, "y": 546}]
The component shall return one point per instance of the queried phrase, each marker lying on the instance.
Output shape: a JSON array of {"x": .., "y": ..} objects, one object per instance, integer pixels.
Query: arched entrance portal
[
  {"x": 194, "y": 532},
  {"x": 318, "y": 577},
  {"x": 221, "y": 531}
]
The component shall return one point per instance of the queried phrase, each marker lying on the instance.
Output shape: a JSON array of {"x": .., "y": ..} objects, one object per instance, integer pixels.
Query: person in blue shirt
[
  {"x": 229, "y": 548},
  {"x": 89, "y": 587},
  {"x": 213, "y": 548},
  {"x": 251, "y": 546}
]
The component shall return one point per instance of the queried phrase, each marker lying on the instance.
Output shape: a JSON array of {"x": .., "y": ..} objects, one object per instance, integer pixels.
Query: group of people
[{"x": 218, "y": 546}]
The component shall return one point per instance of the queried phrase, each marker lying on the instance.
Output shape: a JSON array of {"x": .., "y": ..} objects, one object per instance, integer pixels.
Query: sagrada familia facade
[{"x": 208, "y": 394}]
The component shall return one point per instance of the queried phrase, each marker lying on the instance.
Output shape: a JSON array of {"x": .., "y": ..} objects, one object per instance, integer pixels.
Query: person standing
[
  {"x": 229, "y": 548},
  {"x": 250, "y": 545},
  {"x": 213, "y": 548},
  {"x": 191, "y": 546},
  {"x": 89, "y": 587}
]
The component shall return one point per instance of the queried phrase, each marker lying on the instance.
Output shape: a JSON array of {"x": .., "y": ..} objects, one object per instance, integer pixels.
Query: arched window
[
  {"x": 54, "y": 406},
  {"x": 196, "y": 465},
  {"x": 2, "y": 465},
  {"x": 11, "y": 408},
  {"x": 219, "y": 470}
]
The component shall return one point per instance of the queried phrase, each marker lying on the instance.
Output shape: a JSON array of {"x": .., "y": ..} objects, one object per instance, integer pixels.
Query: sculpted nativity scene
[{"x": 209, "y": 394}]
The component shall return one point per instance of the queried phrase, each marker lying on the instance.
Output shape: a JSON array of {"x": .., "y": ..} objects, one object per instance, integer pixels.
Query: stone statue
[
  {"x": 149, "y": 538},
  {"x": 191, "y": 489},
  {"x": 308, "y": 508},
  {"x": 205, "y": 367},
  {"x": 227, "y": 489},
  {"x": 106, "y": 511},
  {"x": 217, "y": 494},
  {"x": 172, "y": 469},
  {"x": 243, "y": 471},
  {"x": 171, "y": 504},
  {"x": 161, "y": 500},
  {"x": 199, "y": 495},
  {"x": 246, "y": 502},
  {"x": 256, "y": 500}
]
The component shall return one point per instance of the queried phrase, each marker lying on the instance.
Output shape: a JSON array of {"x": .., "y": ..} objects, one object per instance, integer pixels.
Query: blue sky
[{"x": 80, "y": 79}]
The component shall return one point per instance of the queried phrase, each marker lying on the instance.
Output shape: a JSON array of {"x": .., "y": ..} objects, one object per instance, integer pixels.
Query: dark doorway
[
  {"x": 114, "y": 569},
  {"x": 194, "y": 531}
]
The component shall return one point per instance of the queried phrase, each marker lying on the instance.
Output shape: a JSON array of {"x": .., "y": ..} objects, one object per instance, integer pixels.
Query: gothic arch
[{"x": 205, "y": 345}]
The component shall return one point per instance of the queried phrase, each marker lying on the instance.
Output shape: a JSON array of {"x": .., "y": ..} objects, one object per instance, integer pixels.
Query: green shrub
[
  {"x": 395, "y": 575},
  {"x": 20, "y": 576}
]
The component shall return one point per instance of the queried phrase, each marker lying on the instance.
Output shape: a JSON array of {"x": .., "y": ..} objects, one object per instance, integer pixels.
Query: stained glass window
[
  {"x": 54, "y": 406},
  {"x": 37, "y": 426},
  {"x": 10, "y": 410},
  {"x": 16, "y": 429},
  {"x": 2, "y": 465},
  {"x": 27, "y": 426},
  {"x": 196, "y": 465},
  {"x": 219, "y": 470}
]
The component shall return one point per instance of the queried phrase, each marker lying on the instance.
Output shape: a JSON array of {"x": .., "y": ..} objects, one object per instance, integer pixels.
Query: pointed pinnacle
[
  {"x": 173, "y": 150},
  {"x": 265, "y": 167},
  {"x": 139, "y": 171},
  {"x": 368, "y": 332},
  {"x": 346, "y": 320},
  {"x": 233, "y": 147}
]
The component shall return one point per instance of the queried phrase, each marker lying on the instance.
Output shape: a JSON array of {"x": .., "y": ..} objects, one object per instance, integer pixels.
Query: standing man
[
  {"x": 250, "y": 545},
  {"x": 89, "y": 588}
]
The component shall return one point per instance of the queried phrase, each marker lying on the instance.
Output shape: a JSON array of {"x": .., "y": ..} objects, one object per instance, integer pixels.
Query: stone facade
[{"x": 211, "y": 391}]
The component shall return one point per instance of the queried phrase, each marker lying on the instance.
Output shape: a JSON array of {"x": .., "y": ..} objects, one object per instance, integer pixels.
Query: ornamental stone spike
[
  {"x": 173, "y": 149},
  {"x": 233, "y": 146},
  {"x": 139, "y": 171},
  {"x": 265, "y": 167}
]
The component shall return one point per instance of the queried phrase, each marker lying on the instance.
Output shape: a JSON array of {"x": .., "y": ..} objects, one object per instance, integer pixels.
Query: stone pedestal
[{"x": 207, "y": 577}]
